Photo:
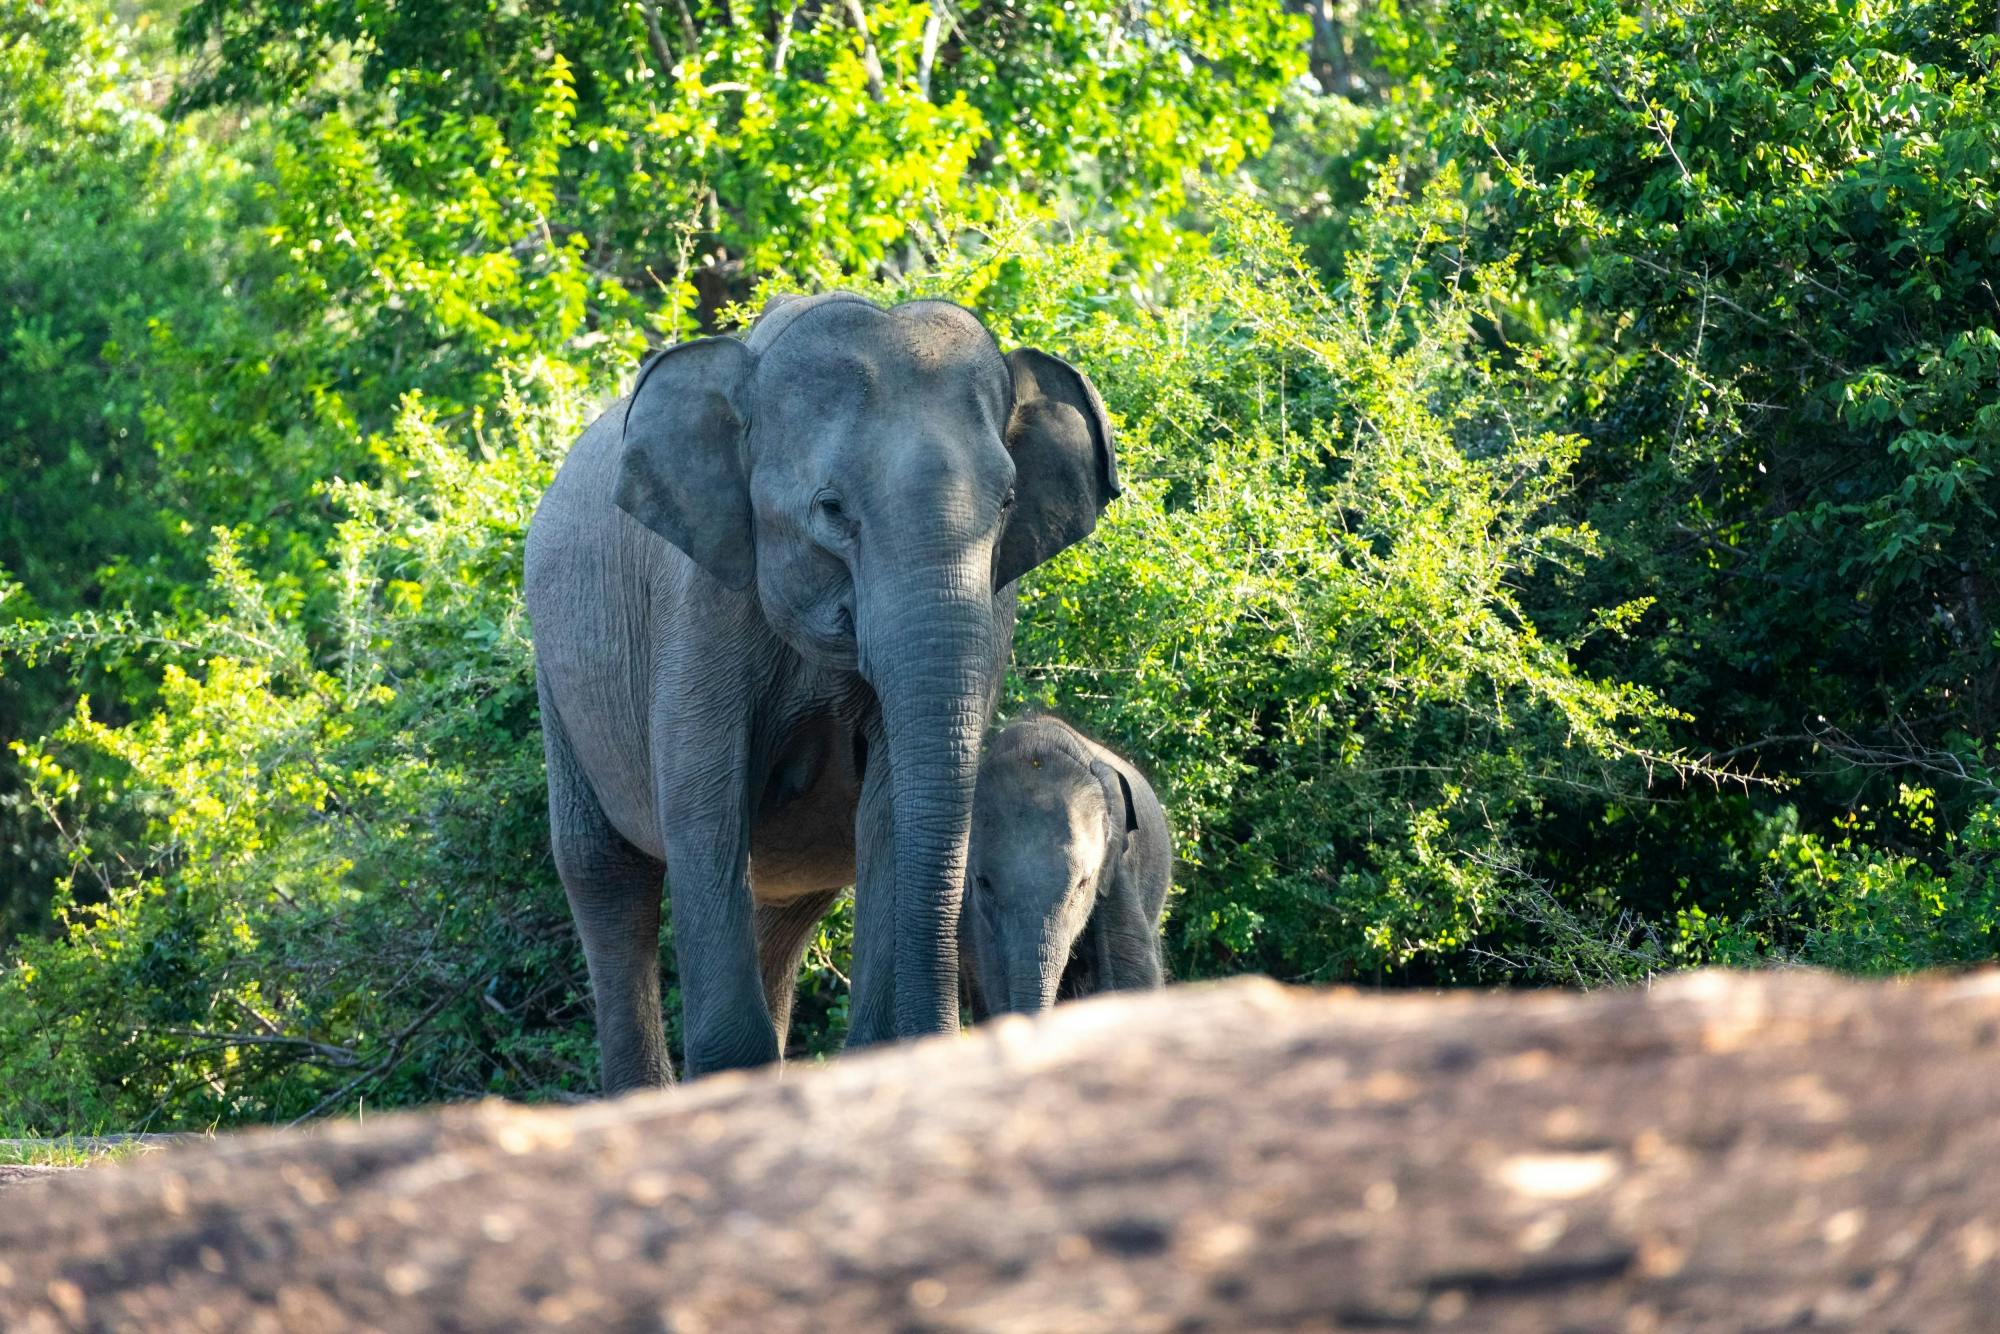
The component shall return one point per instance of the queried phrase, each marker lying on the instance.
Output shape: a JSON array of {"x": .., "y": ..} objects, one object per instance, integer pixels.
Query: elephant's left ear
[
  {"x": 1124, "y": 812},
  {"x": 1065, "y": 469}
]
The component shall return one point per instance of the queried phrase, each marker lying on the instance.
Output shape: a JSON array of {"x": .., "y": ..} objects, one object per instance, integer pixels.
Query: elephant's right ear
[{"x": 681, "y": 465}]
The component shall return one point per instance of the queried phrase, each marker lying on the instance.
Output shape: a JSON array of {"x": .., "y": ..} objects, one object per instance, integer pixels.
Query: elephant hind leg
[
  {"x": 614, "y": 894},
  {"x": 783, "y": 929}
]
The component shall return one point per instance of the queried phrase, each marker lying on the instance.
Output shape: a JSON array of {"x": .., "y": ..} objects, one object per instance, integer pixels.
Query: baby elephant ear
[
  {"x": 1117, "y": 802},
  {"x": 681, "y": 467},
  {"x": 1065, "y": 470}
]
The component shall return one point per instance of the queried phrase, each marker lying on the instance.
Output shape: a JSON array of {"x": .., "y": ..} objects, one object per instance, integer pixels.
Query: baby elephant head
[{"x": 1051, "y": 823}]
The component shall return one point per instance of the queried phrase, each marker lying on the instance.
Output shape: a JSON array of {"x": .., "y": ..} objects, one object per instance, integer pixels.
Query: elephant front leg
[{"x": 725, "y": 1023}]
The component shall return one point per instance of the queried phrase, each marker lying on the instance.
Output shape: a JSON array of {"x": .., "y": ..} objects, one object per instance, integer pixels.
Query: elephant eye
[
  {"x": 830, "y": 512},
  {"x": 1007, "y": 501}
]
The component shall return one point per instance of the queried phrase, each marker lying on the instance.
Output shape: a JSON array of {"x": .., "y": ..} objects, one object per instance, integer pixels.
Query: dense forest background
[{"x": 1560, "y": 541}]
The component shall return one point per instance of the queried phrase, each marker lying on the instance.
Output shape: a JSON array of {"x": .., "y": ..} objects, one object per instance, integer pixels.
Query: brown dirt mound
[{"x": 1724, "y": 1151}]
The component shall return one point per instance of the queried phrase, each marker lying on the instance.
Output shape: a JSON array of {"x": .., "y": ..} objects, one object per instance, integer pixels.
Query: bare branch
[
  {"x": 870, "y": 62},
  {"x": 1804, "y": 342},
  {"x": 397, "y": 1047},
  {"x": 331, "y": 1055},
  {"x": 781, "y": 41},
  {"x": 933, "y": 28},
  {"x": 663, "y": 55},
  {"x": 688, "y": 33},
  {"x": 1905, "y": 751}
]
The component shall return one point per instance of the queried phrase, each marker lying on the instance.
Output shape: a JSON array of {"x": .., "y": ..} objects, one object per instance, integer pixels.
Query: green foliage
[
  {"x": 70, "y": 299},
  {"x": 1302, "y": 617},
  {"x": 108, "y": 211},
  {"x": 748, "y": 137},
  {"x": 1790, "y": 235},
  {"x": 1751, "y": 242},
  {"x": 146, "y": 368},
  {"x": 318, "y": 871},
  {"x": 1844, "y": 901}
]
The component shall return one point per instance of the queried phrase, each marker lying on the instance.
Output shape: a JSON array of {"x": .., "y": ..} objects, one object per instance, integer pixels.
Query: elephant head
[
  {"x": 877, "y": 476},
  {"x": 1051, "y": 822}
]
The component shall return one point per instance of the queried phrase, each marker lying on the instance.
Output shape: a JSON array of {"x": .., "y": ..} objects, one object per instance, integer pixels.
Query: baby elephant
[{"x": 1068, "y": 872}]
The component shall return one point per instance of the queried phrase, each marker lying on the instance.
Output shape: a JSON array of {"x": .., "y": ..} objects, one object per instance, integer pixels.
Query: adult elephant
[{"x": 773, "y": 601}]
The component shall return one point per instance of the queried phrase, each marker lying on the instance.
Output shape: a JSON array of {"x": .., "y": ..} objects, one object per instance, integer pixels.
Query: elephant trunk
[
  {"x": 1035, "y": 973},
  {"x": 935, "y": 663}
]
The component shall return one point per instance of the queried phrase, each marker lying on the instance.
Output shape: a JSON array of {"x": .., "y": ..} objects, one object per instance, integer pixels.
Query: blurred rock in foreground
[
  {"x": 1724, "y": 1151},
  {"x": 15, "y": 1173}
]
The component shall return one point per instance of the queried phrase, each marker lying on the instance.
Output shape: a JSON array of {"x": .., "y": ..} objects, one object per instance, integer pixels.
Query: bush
[
  {"x": 1846, "y": 902},
  {"x": 1302, "y": 617},
  {"x": 112, "y": 217},
  {"x": 321, "y": 871},
  {"x": 322, "y": 865},
  {"x": 1754, "y": 237}
]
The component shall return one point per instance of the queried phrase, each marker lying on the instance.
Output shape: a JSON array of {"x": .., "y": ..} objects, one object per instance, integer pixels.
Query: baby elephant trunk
[{"x": 1035, "y": 971}]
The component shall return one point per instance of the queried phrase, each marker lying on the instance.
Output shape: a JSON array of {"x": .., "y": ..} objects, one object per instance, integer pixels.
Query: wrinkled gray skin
[
  {"x": 773, "y": 598},
  {"x": 1070, "y": 863}
]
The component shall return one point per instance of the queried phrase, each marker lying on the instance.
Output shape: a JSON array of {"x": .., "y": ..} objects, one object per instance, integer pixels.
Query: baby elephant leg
[
  {"x": 1123, "y": 946},
  {"x": 783, "y": 931}
]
